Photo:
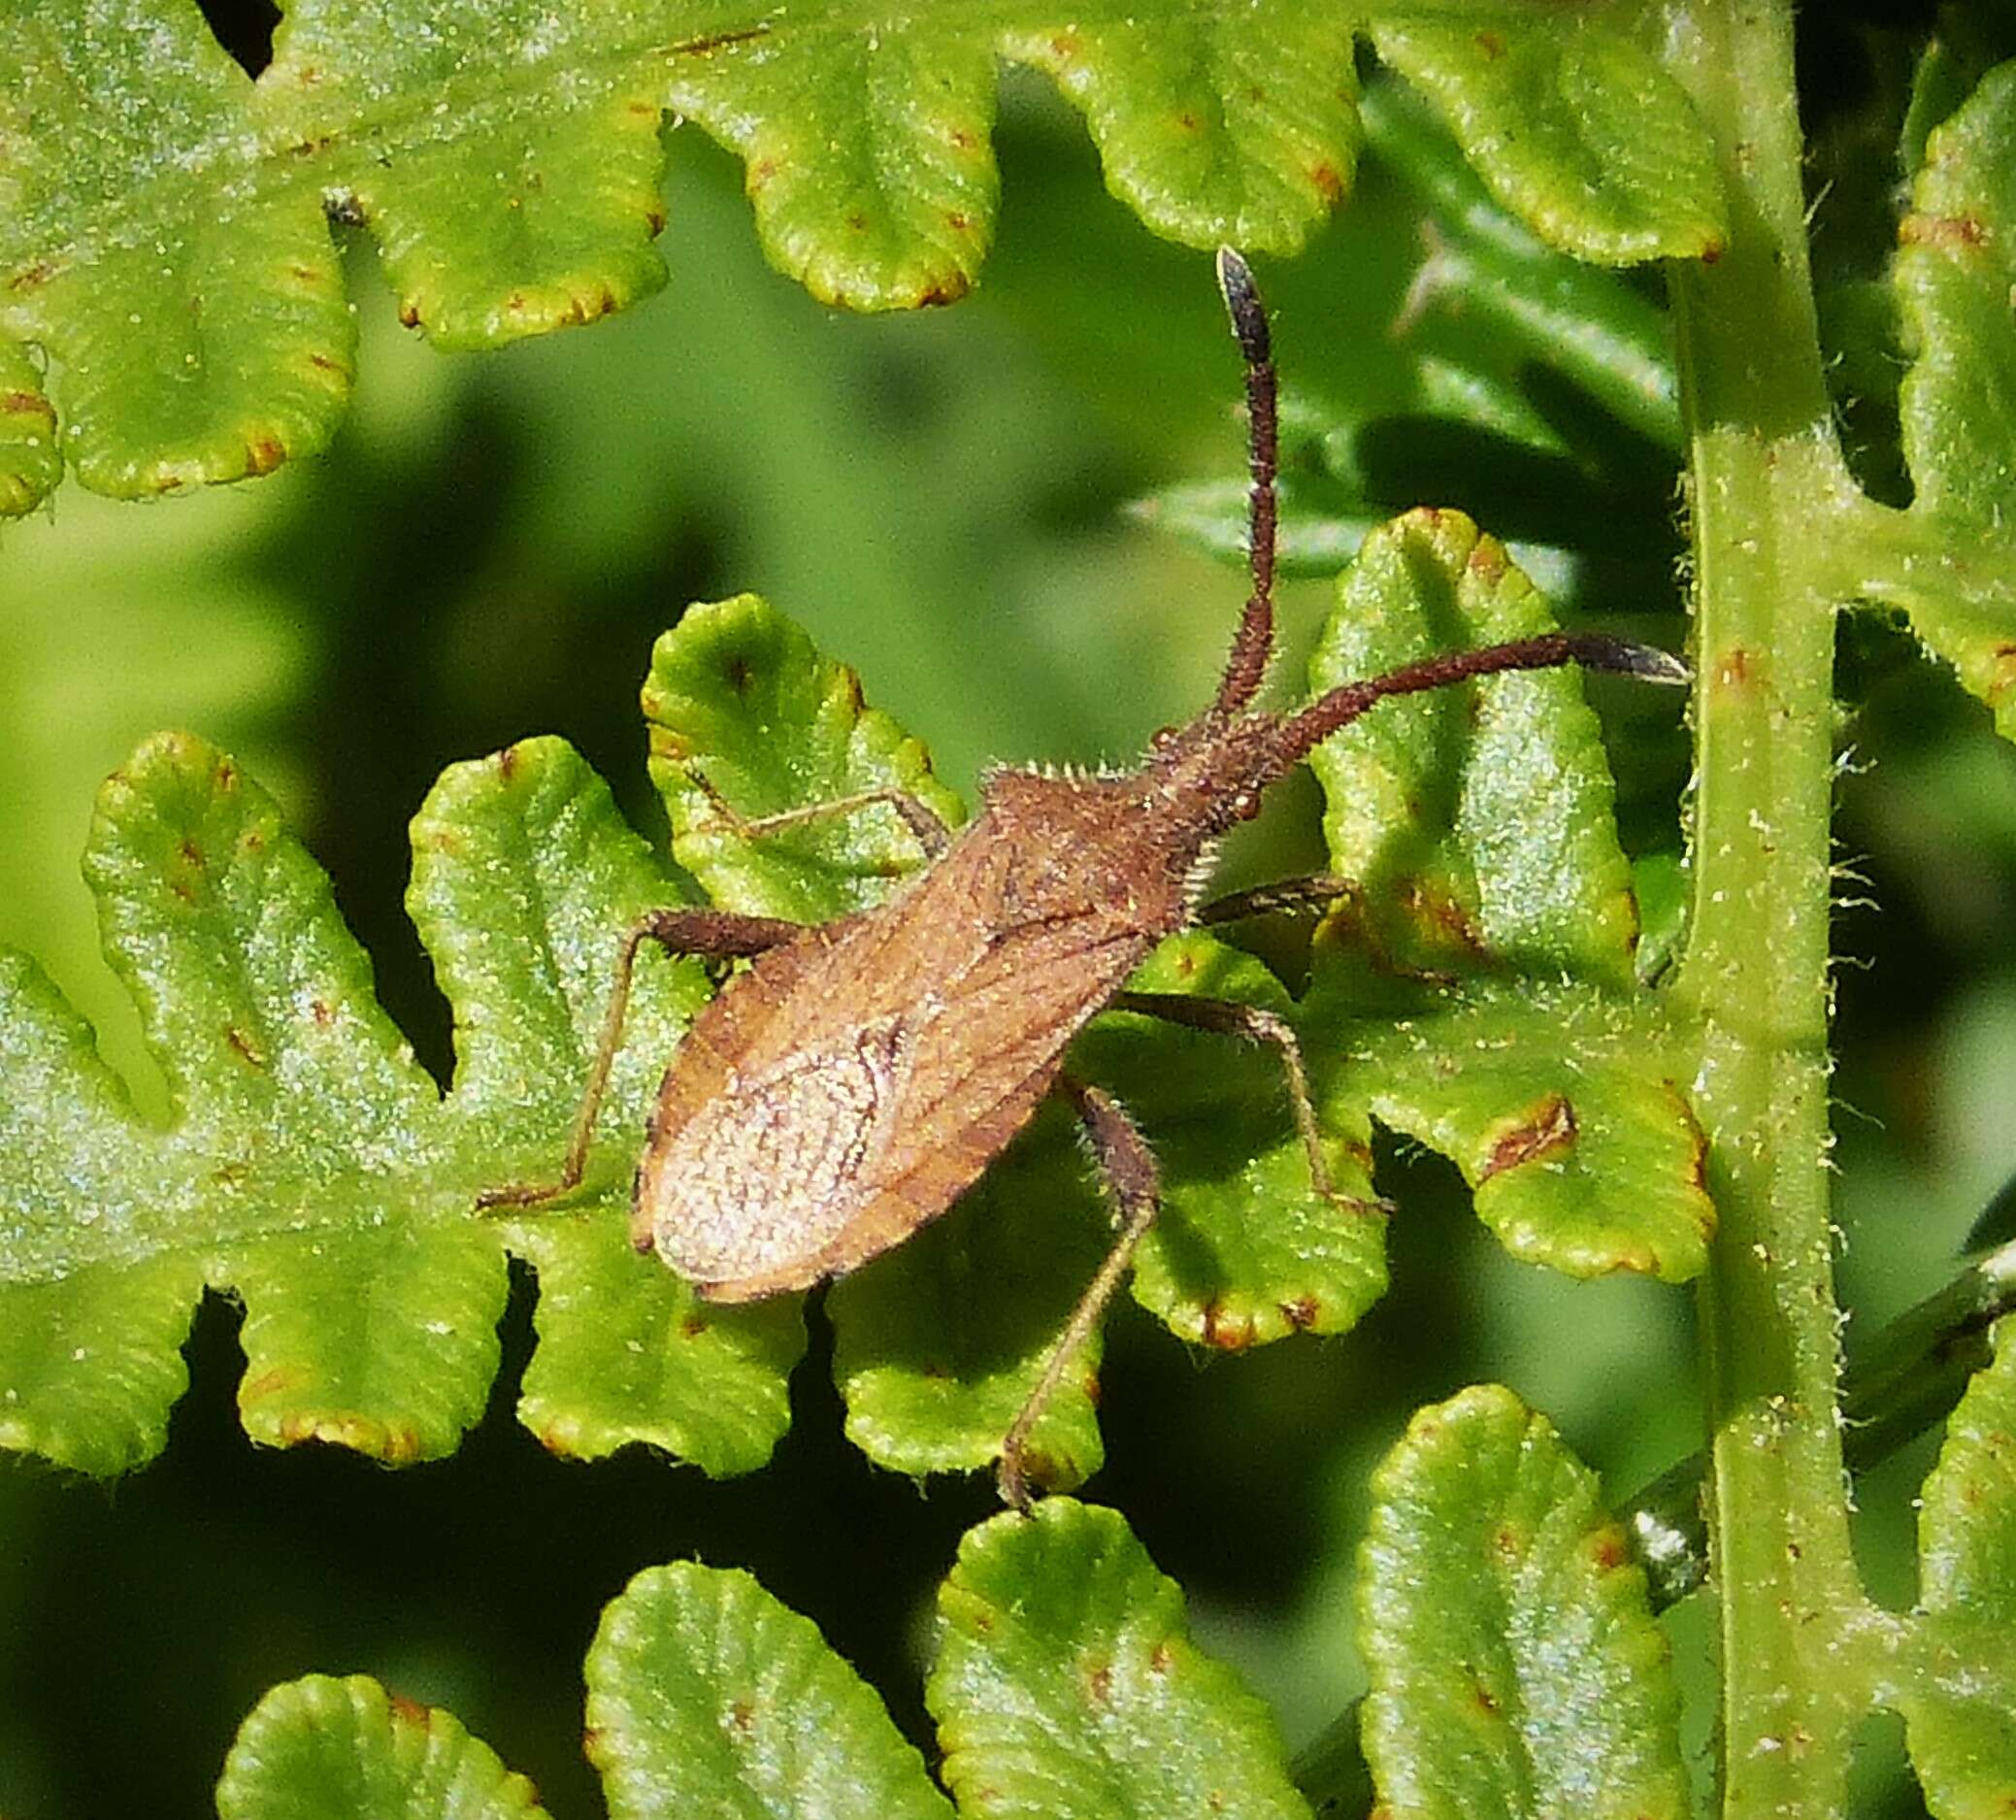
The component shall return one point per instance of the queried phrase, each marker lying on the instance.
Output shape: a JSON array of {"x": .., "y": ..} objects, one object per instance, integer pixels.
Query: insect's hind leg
[
  {"x": 1285, "y": 896},
  {"x": 926, "y": 825},
  {"x": 712, "y": 934},
  {"x": 1256, "y": 1024},
  {"x": 1128, "y": 1167}
]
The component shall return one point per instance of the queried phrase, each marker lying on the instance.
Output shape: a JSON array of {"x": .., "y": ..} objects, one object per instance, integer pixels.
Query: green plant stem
[
  {"x": 1765, "y": 474},
  {"x": 1898, "y": 1385}
]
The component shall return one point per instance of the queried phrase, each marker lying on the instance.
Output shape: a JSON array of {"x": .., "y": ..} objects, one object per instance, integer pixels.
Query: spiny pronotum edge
[{"x": 860, "y": 1074}]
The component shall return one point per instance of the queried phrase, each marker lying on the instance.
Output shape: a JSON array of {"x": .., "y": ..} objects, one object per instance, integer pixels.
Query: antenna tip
[
  {"x": 1599, "y": 650},
  {"x": 1242, "y": 304}
]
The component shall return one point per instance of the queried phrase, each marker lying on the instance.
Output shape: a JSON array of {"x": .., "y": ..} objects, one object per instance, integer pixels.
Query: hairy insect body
[
  {"x": 855, "y": 1080},
  {"x": 860, "y": 1075}
]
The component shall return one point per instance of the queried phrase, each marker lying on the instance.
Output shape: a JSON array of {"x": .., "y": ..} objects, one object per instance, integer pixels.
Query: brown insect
[{"x": 858, "y": 1077}]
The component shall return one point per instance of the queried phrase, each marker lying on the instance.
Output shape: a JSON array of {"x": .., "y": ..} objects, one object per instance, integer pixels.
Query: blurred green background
[{"x": 489, "y": 551}]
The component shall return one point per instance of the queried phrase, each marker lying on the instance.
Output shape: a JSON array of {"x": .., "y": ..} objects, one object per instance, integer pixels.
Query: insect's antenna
[
  {"x": 1254, "y": 643},
  {"x": 1300, "y": 734}
]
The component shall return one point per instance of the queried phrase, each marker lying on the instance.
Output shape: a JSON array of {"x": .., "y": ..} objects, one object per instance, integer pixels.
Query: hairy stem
[{"x": 1765, "y": 472}]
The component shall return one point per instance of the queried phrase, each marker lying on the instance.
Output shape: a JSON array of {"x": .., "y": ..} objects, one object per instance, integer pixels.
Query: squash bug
[{"x": 859, "y": 1074}]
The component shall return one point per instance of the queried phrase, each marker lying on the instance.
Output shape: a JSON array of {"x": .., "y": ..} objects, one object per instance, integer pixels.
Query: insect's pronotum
[{"x": 848, "y": 1085}]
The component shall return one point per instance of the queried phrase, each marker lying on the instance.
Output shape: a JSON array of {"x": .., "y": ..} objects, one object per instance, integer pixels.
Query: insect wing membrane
[{"x": 770, "y": 1173}]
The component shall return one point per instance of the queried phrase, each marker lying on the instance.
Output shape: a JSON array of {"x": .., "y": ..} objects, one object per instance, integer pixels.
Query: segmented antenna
[
  {"x": 1245, "y": 668},
  {"x": 1302, "y": 731}
]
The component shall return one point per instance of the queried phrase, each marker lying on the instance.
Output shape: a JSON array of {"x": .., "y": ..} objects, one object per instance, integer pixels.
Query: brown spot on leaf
[
  {"x": 1486, "y": 559},
  {"x": 739, "y": 673},
  {"x": 191, "y": 853},
  {"x": 408, "y": 1712},
  {"x": 1606, "y": 1550},
  {"x": 1065, "y": 46},
  {"x": 263, "y": 454},
  {"x": 760, "y": 173},
  {"x": 961, "y": 139},
  {"x": 244, "y": 1046},
  {"x": 515, "y": 302},
  {"x": 1491, "y": 45},
  {"x": 655, "y": 221},
  {"x": 1301, "y": 1312},
  {"x": 320, "y": 1009},
  {"x": 693, "y": 1326},
  {"x": 1186, "y": 965},
  {"x": 326, "y": 364},
  {"x": 2001, "y": 675},
  {"x": 508, "y": 761},
  {"x": 561, "y": 1438},
  {"x": 957, "y": 221},
  {"x": 1949, "y": 231},
  {"x": 1329, "y": 185},
  {"x": 1436, "y": 909},
  {"x": 1188, "y": 120},
  {"x": 946, "y": 292},
  {"x": 29, "y": 277},
  {"x": 1505, "y": 1540},
  {"x": 1099, "y": 1683},
  {"x": 857, "y": 221},
  {"x": 1159, "y": 1659},
  {"x": 27, "y": 405},
  {"x": 1226, "y": 1336},
  {"x": 1549, "y": 1126},
  {"x": 271, "y": 1383},
  {"x": 1712, "y": 253},
  {"x": 742, "y": 1715},
  {"x": 410, "y": 313},
  {"x": 1732, "y": 668},
  {"x": 644, "y": 109}
]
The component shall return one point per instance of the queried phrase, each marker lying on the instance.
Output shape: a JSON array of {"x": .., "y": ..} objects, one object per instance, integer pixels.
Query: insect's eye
[
  {"x": 1162, "y": 738},
  {"x": 1247, "y": 805}
]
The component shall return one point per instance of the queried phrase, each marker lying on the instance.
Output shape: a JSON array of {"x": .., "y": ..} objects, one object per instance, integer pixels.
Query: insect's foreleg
[
  {"x": 1317, "y": 892},
  {"x": 1128, "y": 1167},
  {"x": 1255, "y": 1024},
  {"x": 712, "y": 934},
  {"x": 926, "y": 825}
]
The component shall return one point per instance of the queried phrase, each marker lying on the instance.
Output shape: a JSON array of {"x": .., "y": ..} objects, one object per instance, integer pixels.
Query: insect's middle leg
[
  {"x": 713, "y": 935},
  {"x": 1128, "y": 1164},
  {"x": 926, "y": 825},
  {"x": 1317, "y": 892},
  {"x": 1255, "y": 1024}
]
